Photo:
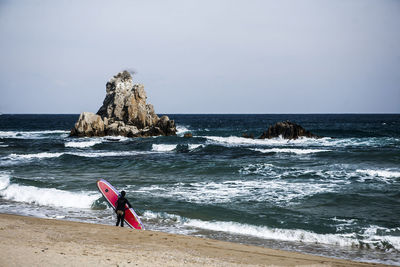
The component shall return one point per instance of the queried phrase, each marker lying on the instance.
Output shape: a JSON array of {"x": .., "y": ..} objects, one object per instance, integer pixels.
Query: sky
[{"x": 305, "y": 56}]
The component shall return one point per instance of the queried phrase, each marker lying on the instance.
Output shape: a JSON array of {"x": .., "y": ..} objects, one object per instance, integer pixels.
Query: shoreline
[{"x": 49, "y": 242}]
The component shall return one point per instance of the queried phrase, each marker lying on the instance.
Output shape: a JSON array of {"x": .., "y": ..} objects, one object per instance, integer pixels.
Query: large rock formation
[
  {"x": 287, "y": 130},
  {"x": 124, "y": 112}
]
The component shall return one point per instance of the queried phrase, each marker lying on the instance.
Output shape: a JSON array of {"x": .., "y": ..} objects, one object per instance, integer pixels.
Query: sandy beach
[
  {"x": 46, "y": 242},
  {"x": 241, "y": 133}
]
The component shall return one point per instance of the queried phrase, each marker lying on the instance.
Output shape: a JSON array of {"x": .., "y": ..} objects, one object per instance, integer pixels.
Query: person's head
[{"x": 123, "y": 193}]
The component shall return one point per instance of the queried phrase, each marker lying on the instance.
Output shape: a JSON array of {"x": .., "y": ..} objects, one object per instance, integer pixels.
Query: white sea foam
[
  {"x": 23, "y": 158},
  {"x": 264, "y": 169},
  {"x": 181, "y": 129},
  {"x": 194, "y": 146},
  {"x": 386, "y": 176},
  {"x": 234, "y": 141},
  {"x": 41, "y": 155},
  {"x": 163, "y": 147},
  {"x": 273, "y": 233},
  {"x": 99, "y": 154},
  {"x": 339, "y": 174},
  {"x": 32, "y": 134},
  {"x": 89, "y": 142},
  {"x": 372, "y": 237},
  {"x": 46, "y": 196},
  {"x": 82, "y": 144},
  {"x": 276, "y": 172},
  {"x": 4, "y": 180},
  {"x": 297, "y": 151},
  {"x": 358, "y": 142},
  {"x": 344, "y": 224},
  {"x": 240, "y": 141},
  {"x": 344, "y": 221},
  {"x": 380, "y": 173},
  {"x": 162, "y": 216},
  {"x": 296, "y": 235},
  {"x": 369, "y": 234},
  {"x": 279, "y": 192}
]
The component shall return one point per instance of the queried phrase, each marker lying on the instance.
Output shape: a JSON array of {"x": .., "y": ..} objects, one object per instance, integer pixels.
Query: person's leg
[
  {"x": 119, "y": 215},
  {"x": 122, "y": 219},
  {"x": 118, "y": 219}
]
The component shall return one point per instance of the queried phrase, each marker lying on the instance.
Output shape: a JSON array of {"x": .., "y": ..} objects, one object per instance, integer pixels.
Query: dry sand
[{"x": 27, "y": 241}]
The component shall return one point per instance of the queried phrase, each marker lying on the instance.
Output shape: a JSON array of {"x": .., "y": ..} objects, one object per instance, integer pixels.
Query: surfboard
[{"x": 111, "y": 195}]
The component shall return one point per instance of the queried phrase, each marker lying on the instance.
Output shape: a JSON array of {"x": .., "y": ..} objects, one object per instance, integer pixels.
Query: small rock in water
[
  {"x": 188, "y": 135},
  {"x": 245, "y": 135},
  {"x": 288, "y": 130}
]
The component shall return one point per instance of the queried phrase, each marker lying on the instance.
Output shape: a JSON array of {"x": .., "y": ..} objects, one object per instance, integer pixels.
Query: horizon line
[{"x": 274, "y": 113}]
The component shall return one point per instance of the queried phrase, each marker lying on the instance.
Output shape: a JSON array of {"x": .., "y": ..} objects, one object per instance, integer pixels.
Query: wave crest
[
  {"x": 45, "y": 196},
  {"x": 163, "y": 147},
  {"x": 82, "y": 144}
]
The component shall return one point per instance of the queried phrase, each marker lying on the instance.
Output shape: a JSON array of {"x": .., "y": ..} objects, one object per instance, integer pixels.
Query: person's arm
[{"x": 129, "y": 204}]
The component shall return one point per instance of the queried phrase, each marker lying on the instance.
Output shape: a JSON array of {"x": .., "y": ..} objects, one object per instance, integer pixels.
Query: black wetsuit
[{"x": 121, "y": 207}]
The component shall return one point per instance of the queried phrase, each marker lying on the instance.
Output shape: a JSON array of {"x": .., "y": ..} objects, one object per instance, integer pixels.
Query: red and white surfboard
[{"x": 112, "y": 194}]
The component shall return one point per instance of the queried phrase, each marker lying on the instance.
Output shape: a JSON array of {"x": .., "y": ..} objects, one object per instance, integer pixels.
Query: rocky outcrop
[
  {"x": 287, "y": 130},
  {"x": 124, "y": 112},
  {"x": 89, "y": 124}
]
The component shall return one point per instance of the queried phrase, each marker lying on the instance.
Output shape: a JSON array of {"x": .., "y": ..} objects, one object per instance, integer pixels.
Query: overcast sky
[{"x": 203, "y": 56}]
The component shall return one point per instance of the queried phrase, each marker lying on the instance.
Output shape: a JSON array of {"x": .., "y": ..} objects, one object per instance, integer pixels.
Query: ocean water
[{"x": 337, "y": 196}]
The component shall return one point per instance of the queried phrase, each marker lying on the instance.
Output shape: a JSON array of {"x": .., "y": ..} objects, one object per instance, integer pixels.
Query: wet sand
[{"x": 45, "y": 242}]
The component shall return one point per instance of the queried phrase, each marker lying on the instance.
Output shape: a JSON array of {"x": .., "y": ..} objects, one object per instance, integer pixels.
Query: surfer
[{"x": 120, "y": 208}]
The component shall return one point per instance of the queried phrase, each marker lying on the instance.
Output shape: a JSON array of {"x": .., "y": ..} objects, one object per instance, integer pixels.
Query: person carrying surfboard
[{"x": 120, "y": 208}]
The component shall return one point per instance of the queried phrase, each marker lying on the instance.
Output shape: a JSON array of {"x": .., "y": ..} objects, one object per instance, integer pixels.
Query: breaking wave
[
  {"x": 181, "y": 130},
  {"x": 45, "y": 196},
  {"x": 380, "y": 173},
  {"x": 163, "y": 148},
  {"x": 368, "y": 237},
  {"x": 42, "y": 155},
  {"x": 194, "y": 146},
  {"x": 82, "y": 144}
]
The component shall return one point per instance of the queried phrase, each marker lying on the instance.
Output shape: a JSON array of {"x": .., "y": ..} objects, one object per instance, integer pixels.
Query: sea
[{"x": 336, "y": 196}]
